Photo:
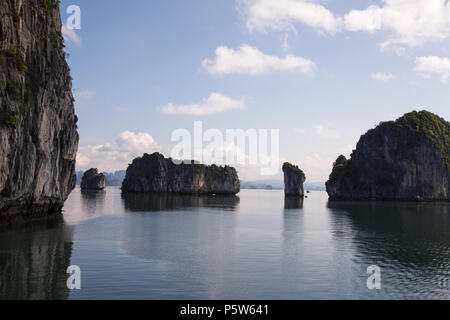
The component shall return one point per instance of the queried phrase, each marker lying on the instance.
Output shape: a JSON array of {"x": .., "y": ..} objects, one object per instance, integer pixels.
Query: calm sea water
[{"x": 258, "y": 245}]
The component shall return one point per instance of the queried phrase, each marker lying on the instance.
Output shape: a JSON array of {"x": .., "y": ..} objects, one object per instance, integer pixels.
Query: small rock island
[
  {"x": 92, "y": 180},
  {"x": 293, "y": 180},
  {"x": 154, "y": 173},
  {"x": 406, "y": 159}
]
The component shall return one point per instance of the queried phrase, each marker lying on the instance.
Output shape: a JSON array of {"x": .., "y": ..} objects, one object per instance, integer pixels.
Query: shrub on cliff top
[
  {"x": 433, "y": 127},
  {"x": 340, "y": 161},
  {"x": 289, "y": 166}
]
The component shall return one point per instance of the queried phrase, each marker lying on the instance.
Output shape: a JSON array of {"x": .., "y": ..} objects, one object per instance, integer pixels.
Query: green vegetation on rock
[
  {"x": 290, "y": 166},
  {"x": 12, "y": 90},
  {"x": 429, "y": 125},
  {"x": 7, "y": 118},
  {"x": 14, "y": 56}
]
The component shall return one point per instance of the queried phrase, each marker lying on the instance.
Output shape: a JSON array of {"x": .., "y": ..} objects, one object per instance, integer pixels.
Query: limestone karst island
[
  {"x": 244, "y": 150},
  {"x": 154, "y": 173},
  {"x": 405, "y": 159},
  {"x": 93, "y": 180}
]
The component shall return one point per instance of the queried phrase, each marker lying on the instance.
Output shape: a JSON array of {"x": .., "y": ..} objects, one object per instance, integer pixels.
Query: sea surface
[{"x": 257, "y": 245}]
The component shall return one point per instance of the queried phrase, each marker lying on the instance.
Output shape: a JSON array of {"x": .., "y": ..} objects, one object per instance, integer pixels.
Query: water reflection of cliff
[
  {"x": 161, "y": 202},
  {"x": 175, "y": 239},
  {"x": 411, "y": 240},
  {"x": 93, "y": 201},
  {"x": 293, "y": 203},
  {"x": 34, "y": 260}
]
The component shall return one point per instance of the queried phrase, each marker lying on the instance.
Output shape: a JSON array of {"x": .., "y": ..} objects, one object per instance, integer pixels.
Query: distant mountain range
[{"x": 279, "y": 185}]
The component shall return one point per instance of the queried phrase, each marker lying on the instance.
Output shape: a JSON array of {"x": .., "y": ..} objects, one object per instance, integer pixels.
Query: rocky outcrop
[
  {"x": 92, "y": 180},
  {"x": 293, "y": 180},
  {"x": 38, "y": 131},
  {"x": 406, "y": 159},
  {"x": 154, "y": 173}
]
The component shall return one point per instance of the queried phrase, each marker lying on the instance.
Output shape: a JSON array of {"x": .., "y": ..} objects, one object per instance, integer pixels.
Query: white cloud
[
  {"x": 135, "y": 142},
  {"x": 71, "y": 36},
  {"x": 318, "y": 130},
  {"x": 300, "y": 131},
  {"x": 107, "y": 157},
  {"x": 228, "y": 152},
  {"x": 363, "y": 20},
  {"x": 324, "y": 132},
  {"x": 409, "y": 22},
  {"x": 383, "y": 76},
  {"x": 317, "y": 166},
  {"x": 280, "y": 14},
  {"x": 285, "y": 43},
  {"x": 413, "y": 22},
  {"x": 313, "y": 161},
  {"x": 215, "y": 103},
  {"x": 250, "y": 60},
  {"x": 84, "y": 95},
  {"x": 432, "y": 64}
]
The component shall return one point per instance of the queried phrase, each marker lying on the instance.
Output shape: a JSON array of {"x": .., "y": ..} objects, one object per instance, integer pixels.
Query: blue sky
[{"x": 323, "y": 72}]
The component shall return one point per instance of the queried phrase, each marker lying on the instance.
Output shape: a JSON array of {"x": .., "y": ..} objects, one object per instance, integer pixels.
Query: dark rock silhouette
[
  {"x": 154, "y": 173},
  {"x": 92, "y": 180},
  {"x": 38, "y": 131},
  {"x": 293, "y": 180},
  {"x": 406, "y": 159},
  {"x": 113, "y": 179}
]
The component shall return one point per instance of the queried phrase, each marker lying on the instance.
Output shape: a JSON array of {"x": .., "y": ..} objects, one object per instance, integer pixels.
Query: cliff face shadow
[
  {"x": 141, "y": 202},
  {"x": 33, "y": 261},
  {"x": 291, "y": 203}
]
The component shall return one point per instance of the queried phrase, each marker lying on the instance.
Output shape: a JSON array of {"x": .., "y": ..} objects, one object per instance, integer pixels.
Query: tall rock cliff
[
  {"x": 406, "y": 159},
  {"x": 154, "y": 173},
  {"x": 38, "y": 131},
  {"x": 293, "y": 180}
]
